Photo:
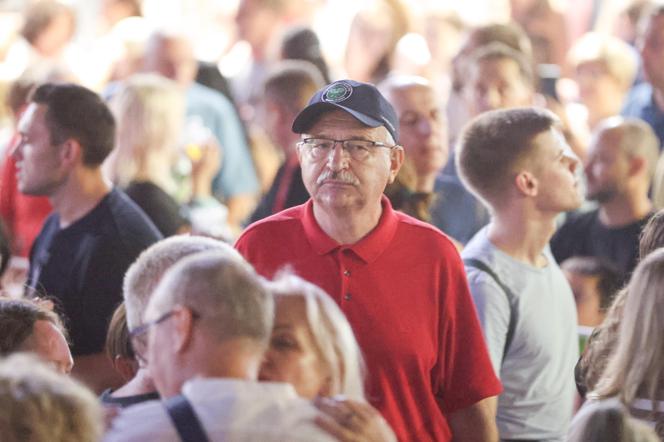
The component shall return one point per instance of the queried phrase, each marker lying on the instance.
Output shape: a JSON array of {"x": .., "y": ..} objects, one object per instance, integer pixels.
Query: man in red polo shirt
[{"x": 400, "y": 282}]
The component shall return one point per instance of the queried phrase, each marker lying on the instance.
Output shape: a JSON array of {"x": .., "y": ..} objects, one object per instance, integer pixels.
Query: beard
[{"x": 602, "y": 195}]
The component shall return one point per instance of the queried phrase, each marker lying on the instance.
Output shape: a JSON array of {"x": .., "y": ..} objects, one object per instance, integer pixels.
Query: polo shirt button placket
[
  {"x": 348, "y": 297},
  {"x": 346, "y": 273}
]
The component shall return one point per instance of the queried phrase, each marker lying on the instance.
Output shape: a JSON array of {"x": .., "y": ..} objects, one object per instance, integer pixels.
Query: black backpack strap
[
  {"x": 481, "y": 266},
  {"x": 185, "y": 420}
]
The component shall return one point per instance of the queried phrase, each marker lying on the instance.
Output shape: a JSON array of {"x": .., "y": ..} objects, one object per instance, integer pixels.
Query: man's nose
[
  {"x": 425, "y": 126},
  {"x": 337, "y": 159},
  {"x": 15, "y": 148}
]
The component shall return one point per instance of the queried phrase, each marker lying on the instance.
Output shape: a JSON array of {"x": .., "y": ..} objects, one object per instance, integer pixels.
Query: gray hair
[
  {"x": 40, "y": 405},
  {"x": 332, "y": 333},
  {"x": 145, "y": 273},
  {"x": 220, "y": 288}
]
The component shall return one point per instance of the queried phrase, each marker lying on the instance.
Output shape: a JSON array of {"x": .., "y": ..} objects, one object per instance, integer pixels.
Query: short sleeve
[
  {"x": 493, "y": 311},
  {"x": 467, "y": 373}
]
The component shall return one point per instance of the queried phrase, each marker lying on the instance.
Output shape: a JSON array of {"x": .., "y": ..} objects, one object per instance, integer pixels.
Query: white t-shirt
[{"x": 229, "y": 410}]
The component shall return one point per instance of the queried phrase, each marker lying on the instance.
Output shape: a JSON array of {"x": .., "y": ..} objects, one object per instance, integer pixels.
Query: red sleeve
[
  {"x": 7, "y": 191},
  {"x": 464, "y": 359}
]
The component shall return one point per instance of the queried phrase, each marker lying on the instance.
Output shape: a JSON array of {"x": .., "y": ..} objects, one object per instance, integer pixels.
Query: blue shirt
[
  {"x": 237, "y": 174},
  {"x": 641, "y": 104}
]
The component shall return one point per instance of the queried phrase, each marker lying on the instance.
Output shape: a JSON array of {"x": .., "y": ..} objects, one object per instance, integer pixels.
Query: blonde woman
[
  {"x": 149, "y": 111},
  {"x": 634, "y": 375},
  {"x": 313, "y": 348}
]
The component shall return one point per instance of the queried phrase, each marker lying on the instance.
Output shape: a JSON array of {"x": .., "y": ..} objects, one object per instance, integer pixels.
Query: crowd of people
[{"x": 452, "y": 232}]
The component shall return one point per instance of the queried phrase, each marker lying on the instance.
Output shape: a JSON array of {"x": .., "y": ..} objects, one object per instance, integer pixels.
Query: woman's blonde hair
[
  {"x": 149, "y": 111},
  {"x": 636, "y": 368},
  {"x": 39, "y": 405},
  {"x": 333, "y": 335},
  {"x": 620, "y": 60}
]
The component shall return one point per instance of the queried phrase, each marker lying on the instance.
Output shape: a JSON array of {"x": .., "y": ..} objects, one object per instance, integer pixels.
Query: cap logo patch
[{"x": 337, "y": 92}]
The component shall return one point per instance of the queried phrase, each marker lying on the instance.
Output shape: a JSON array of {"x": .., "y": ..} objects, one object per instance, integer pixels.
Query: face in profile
[
  {"x": 48, "y": 342},
  {"x": 39, "y": 167},
  {"x": 554, "y": 167},
  {"x": 293, "y": 355}
]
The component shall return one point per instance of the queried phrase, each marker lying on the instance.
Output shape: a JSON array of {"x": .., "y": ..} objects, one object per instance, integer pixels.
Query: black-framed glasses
[{"x": 359, "y": 150}]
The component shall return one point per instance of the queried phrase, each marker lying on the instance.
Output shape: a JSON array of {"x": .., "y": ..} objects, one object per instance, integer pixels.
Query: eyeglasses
[
  {"x": 142, "y": 329},
  {"x": 139, "y": 331},
  {"x": 359, "y": 150}
]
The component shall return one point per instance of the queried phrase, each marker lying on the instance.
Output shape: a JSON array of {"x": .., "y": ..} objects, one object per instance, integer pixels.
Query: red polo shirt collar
[{"x": 368, "y": 248}]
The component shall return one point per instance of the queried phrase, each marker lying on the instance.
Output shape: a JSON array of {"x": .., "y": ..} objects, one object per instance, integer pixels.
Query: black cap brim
[{"x": 310, "y": 115}]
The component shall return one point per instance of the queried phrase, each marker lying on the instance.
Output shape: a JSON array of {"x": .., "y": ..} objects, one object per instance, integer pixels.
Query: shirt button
[
  {"x": 346, "y": 272},
  {"x": 348, "y": 297}
]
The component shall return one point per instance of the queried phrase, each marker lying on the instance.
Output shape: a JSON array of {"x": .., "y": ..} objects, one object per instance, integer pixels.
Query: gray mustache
[{"x": 343, "y": 176}]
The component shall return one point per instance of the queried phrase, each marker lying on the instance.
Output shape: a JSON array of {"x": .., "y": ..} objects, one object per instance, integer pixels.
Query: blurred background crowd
[{"x": 204, "y": 93}]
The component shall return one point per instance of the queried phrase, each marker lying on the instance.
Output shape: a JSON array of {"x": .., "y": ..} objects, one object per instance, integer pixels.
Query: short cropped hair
[
  {"x": 17, "y": 322},
  {"x": 637, "y": 139},
  {"x": 231, "y": 299},
  {"x": 145, "y": 273},
  {"x": 499, "y": 51},
  {"x": 332, "y": 333},
  {"x": 73, "y": 111},
  {"x": 38, "y": 404},
  {"x": 617, "y": 56},
  {"x": 494, "y": 144},
  {"x": 292, "y": 83},
  {"x": 609, "y": 278}
]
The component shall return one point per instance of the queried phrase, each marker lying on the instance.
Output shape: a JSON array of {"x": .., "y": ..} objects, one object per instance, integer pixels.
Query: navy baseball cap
[{"x": 361, "y": 100}]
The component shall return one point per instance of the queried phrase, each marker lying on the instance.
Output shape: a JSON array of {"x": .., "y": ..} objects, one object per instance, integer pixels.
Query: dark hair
[
  {"x": 302, "y": 43},
  {"x": 76, "y": 112},
  {"x": 17, "y": 321},
  {"x": 491, "y": 146},
  {"x": 509, "y": 34},
  {"x": 40, "y": 15},
  {"x": 292, "y": 83},
  {"x": 609, "y": 277},
  {"x": 500, "y": 51},
  {"x": 117, "y": 337}
]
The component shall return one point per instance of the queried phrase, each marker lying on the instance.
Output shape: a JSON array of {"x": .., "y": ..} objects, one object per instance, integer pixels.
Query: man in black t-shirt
[
  {"x": 619, "y": 168},
  {"x": 95, "y": 232}
]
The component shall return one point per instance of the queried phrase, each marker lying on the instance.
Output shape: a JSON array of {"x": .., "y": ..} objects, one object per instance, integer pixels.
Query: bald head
[
  {"x": 634, "y": 137},
  {"x": 172, "y": 56},
  {"x": 621, "y": 159}
]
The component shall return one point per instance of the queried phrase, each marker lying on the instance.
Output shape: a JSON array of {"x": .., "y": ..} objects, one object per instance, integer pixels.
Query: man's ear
[
  {"x": 71, "y": 152},
  {"x": 183, "y": 319},
  {"x": 526, "y": 183},
  {"x": 636, "y": 165},
  {"x": 397, "y": 156}
]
